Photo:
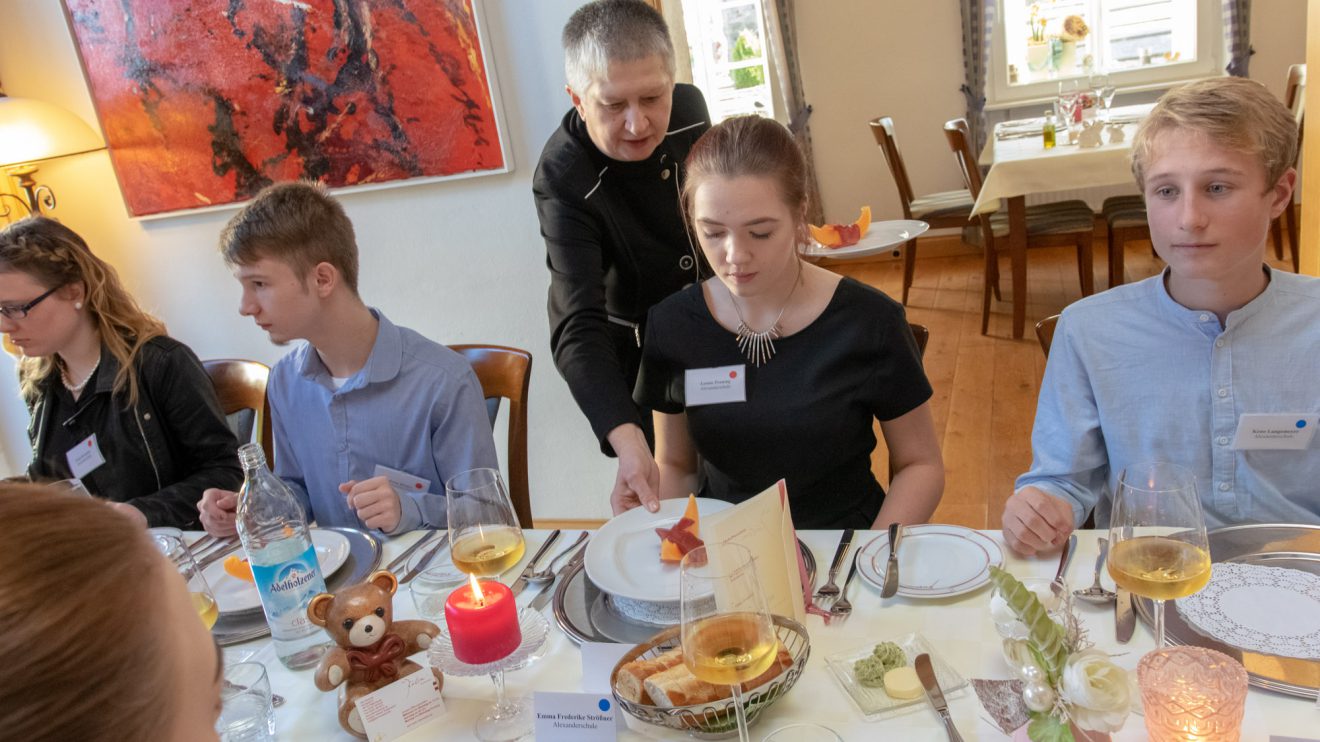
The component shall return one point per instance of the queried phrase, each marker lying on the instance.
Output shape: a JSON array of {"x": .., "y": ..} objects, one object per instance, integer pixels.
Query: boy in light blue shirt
[
  {"x": 1176, "y": 367},
  {"x": 370, "y": 419}
]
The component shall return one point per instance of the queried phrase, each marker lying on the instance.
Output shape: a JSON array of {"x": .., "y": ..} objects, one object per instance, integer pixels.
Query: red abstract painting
[{"x": 204, "y": 102}]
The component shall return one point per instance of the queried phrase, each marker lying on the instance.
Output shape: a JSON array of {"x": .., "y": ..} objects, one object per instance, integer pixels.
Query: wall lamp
[{"x": 32, "y": 131}]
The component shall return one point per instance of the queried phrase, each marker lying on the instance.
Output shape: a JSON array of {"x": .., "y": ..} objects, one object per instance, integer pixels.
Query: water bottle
[{"x": 273, "y": 528}]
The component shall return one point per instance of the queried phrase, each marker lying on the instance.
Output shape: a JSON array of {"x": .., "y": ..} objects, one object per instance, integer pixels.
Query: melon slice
[
  {"x": 842, "y": 235},
  {"x": 691, "y": 523}
]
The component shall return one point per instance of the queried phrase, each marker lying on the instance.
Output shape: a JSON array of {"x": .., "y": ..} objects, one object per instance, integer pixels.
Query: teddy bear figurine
[{"x": 372, "y": 650}]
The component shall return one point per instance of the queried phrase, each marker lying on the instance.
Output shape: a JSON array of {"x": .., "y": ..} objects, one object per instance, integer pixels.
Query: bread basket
[{"x": 716, "y": 720}]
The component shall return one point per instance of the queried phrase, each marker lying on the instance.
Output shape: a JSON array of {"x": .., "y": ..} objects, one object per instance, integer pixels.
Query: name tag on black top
[
  {"x": 85, "y": 457},
  {"x": 719, "y": 385}
]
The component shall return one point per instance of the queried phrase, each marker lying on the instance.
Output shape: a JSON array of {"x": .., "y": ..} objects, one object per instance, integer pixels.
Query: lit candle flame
[{"x": 476, "y": 590}]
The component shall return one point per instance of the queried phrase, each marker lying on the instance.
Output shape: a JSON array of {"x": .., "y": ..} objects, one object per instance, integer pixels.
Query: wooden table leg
[{"x": 1017, "y": 248}]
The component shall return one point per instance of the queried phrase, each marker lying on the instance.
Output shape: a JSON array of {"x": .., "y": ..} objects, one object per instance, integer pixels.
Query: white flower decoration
[{"x": 1099, "y": 692}]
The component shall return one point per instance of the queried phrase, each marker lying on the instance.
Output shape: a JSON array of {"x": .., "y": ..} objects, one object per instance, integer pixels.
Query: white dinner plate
[
  {"x": 623, "y": 558},
  {"x": 234, "y": 595},
  {"x": 881, "y": 236},
  {"x": 934, "y": 561}
]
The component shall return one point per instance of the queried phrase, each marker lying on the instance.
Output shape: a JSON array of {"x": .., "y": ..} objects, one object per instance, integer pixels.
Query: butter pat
[{"x": 902, "y": 683}]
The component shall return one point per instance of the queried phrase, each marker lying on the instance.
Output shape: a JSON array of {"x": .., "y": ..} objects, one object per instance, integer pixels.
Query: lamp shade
[{"x": 32, "y": 130}]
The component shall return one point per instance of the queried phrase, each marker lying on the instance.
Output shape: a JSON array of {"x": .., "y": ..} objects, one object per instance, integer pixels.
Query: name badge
[
  {"x": 720, "y": 385},
  {"x": 84, "y": 457},
  {"x": 400, "y": 707},
  {"x": 1280, "y": 432},
  {"x": 402, "y": 481}
]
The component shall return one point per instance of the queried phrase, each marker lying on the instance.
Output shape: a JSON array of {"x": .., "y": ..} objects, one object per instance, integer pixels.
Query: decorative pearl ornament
[{"x": 1038, "y": 697}]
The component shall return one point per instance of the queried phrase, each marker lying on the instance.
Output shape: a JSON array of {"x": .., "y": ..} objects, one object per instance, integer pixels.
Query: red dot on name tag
[
  {"x": 733, "y": 374},
  {"x": 417, "y": 485}
]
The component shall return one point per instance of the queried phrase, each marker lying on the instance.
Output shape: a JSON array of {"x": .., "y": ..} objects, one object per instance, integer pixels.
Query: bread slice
[
  {"x": 629, "y": 679},
  {"x": 677, "y": 686}
]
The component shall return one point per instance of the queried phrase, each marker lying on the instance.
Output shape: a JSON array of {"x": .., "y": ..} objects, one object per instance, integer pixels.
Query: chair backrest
[
  {"x": 921, "y": 334},
  {"x": 960, "y": 141},
  {"x": 241, "y": 387},
  {"x": 506, "y": 373},
  {"x": 1294, "y": 97},
  {"x": 883, "y": 130},
  {"x": 1045, "y": 333}
]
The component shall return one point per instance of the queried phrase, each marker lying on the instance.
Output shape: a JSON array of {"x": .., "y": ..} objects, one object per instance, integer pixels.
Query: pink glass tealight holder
[{"x": 1192, "y": 693}]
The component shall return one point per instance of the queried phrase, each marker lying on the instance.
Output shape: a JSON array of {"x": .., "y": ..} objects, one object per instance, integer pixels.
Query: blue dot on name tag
[
  {"x": 1301, "y": 424},
  {"x": 604, "y": 705}
]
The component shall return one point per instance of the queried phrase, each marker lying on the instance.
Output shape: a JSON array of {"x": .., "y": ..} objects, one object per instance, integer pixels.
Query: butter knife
[
  {"x": 890, "y": 588},
  {"x": 1125, "y": 619},
  {"x": 426, "y": 558},
  {"x": 544, "y": 596},
  {"x": 936, "y": 696},
  {"x": 521, "y": 582}
]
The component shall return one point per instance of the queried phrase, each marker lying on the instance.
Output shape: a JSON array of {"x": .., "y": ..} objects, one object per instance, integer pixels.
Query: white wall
[{"x": 463, "y": 261}]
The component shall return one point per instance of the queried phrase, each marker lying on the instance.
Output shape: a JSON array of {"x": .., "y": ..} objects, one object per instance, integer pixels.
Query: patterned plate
[
  {"x": 1264, "y": 609},
  {"x": 934, "y": 561}
]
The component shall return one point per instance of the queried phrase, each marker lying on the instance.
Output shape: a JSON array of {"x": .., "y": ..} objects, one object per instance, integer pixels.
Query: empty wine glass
[
  {"x": 1103, "y": 89},
  {"x": 727, "y": 633},
  {"x": 1158, "y": 546},
  {"x": 484, "y": 537},
  {"x": 1069, "y": 101}
]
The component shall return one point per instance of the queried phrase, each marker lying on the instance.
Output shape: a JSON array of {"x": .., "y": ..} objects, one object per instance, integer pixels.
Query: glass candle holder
[{"x": 1192, "y": 693}]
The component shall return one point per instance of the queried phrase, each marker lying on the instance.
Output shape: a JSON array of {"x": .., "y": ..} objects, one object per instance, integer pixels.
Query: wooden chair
[
  {"x": 505, "y": 373},
  {"x": 1125, "y": 221},
  {"x": 1294, "y": 97},
  {"x": 1045, "y": 333},
  {"x": 241, "y": 388},
  {"x": 1048, "y": 225},
  {"x": 940, "y": 210}
]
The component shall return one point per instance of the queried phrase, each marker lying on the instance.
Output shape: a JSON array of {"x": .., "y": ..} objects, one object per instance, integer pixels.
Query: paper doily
[{"x": 1258, "y": 608}]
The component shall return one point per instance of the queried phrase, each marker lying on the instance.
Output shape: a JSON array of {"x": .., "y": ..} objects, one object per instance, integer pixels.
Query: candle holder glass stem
[{"x": 509, "y": 718}]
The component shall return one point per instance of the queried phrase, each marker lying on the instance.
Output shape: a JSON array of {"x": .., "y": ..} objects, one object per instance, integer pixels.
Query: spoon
[
  {"x": 548, "y": 574},
  {"x": 1095, "y": 593}
]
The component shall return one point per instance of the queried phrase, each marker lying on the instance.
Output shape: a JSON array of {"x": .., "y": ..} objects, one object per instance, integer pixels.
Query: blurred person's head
[
  {"x": 291, "y": 248},
  {"x": 746, "y": 200},
  {"x": 54, "y": 293},
  {"x": 619, "y": 63},
  {"x": 101, "y": 640}
]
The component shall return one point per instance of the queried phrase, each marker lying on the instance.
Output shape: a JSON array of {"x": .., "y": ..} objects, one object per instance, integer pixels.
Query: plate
[
  {"x": 934, "y": 561},
  {"x": 874, "y": 703},
  {"x": 881, "y": 236},
  {"x": 623, "y": 558},
  {"x": 233, "y": 595},
  {"x": 1264, "y": 609}
]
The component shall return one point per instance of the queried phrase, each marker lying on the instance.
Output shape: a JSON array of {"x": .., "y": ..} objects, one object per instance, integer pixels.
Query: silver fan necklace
[{"x": 759, "y": 345}]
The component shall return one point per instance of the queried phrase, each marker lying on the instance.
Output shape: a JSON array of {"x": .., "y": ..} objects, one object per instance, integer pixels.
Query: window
[
  {"x": 730, "y": 61},
  {"x": 1141, "y": 44}
]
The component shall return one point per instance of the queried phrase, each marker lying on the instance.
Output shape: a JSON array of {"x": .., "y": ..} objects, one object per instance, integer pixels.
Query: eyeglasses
[{"x": 19, "y": 311}]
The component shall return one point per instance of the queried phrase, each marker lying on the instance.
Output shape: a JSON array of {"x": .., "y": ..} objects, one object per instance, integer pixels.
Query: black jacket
[
  {"x": 159, "y": 455},
  {"x": 616, "y": 244}
]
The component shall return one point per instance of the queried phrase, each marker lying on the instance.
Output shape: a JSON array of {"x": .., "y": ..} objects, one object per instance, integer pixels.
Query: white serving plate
[
  {"x": 623, "y": 558},
  {"x": 881, "y": 236},
  {"x": 934, "y": 561}
]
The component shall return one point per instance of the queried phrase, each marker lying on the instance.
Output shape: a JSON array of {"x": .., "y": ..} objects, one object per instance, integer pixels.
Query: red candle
[{"x": 483, "y": 622}]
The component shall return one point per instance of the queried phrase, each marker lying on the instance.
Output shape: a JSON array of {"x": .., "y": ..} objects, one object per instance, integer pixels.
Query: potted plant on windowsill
[
  {"x": 1074, "y": 30},
  {"x": 1038, "y": 47}
]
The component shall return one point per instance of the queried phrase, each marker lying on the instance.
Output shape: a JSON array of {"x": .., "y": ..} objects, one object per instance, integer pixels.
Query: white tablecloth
[
  {"x": 1021, "y": 166},
  {"x": 959, "y": 628}
]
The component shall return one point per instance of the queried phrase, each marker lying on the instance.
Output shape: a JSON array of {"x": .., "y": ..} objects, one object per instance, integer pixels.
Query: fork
[
  {"x": 829, "y": 589},
  {"x": 842, "y": 607}
]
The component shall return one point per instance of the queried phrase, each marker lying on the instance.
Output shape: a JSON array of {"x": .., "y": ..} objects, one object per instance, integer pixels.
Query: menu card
[{"x": 764, "y": 525}]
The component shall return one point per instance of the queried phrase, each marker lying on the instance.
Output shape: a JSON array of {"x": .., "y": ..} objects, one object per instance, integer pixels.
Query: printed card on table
[
  {"x": 400, "y": 707},
  {"x": 764, "y": 525}
]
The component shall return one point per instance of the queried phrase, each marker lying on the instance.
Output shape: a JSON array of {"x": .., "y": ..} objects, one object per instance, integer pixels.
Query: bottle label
[{"x": 286, "y": 588}]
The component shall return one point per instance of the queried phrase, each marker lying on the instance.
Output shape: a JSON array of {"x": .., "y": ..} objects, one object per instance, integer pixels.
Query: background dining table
[
  {"x": 958, "y": 628},
  {"x": 1020, "y": 166}
]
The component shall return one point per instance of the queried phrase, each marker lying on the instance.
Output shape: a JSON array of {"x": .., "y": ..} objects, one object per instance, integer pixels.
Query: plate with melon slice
[
  {"x": 231, "y": 578},
  {"x": 624, "y": 558},
  {"x": 861, "y": 238}
]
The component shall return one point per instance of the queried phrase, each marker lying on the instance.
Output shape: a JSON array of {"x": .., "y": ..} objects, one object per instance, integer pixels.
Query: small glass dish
[
  {"x": 432, "y": 586},
  {"x": 1057, "y": 604},
  {"x": 874, "y": 703}
]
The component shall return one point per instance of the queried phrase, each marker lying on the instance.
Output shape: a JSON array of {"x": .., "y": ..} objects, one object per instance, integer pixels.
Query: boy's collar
[
  {"x": 383, "y": 364},
  {"x": 1205, "y": 319}
]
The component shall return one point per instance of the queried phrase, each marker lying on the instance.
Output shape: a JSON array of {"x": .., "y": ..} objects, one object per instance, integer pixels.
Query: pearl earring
[{"x": 77, "y": 305}]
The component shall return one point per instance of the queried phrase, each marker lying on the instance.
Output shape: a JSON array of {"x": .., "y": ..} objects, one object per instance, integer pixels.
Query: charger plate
[
  {"x": 363, "y": 558},
  {"x": 1268, "y": 544}
]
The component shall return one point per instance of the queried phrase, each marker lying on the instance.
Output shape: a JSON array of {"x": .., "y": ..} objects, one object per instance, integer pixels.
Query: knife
[
  {"x": 521, "y": 582},
  {"x": 426, "y": 558},
  {"x": 544, "y": 597},
  {"x": 402, "y": 559},
  {"x": 225, "y": 550},
  {"x": 890, "y": 588},
  {"x": 927, "y": 675},
  {"x": 1125, "y": 620}
]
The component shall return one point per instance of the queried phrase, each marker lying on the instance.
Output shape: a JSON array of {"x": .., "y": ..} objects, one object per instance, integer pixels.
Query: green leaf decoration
[
  {"x": 1046, "y": 637},
  {"x": 1045, "y": 728}
]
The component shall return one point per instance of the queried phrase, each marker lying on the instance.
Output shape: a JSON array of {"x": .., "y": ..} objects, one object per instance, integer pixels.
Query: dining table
[
  {"x": 958, "y": 628},
  {"x": 1020, "y": 166}
]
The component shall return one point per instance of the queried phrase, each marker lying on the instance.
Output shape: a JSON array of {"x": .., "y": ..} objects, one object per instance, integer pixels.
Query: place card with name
[
  {"x": 400, "y": 707},
  {"x": 576, "y": 717}
]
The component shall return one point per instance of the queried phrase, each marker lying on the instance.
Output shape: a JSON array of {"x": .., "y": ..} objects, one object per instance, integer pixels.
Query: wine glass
[
  {"x": 485, "y": 540},
  {"x": 1069, "y": 101},
  {"x": 727, "y": 633},
  {"x": 484, "y": 537},
  {"x": 1103, "y": 89},
  {"x": 181, "y": 557},
  {"x": 73, "y": 486},
  {"x": 1158, "y": 547}
]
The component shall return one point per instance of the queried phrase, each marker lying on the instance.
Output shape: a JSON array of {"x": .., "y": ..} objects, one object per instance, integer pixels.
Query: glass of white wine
[
  {"x": 727, "y": 633},
  {"x": 181, "y": 557},
  {"x": 484, "y": 536},
  {"x": 1159, "y": 548}
]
